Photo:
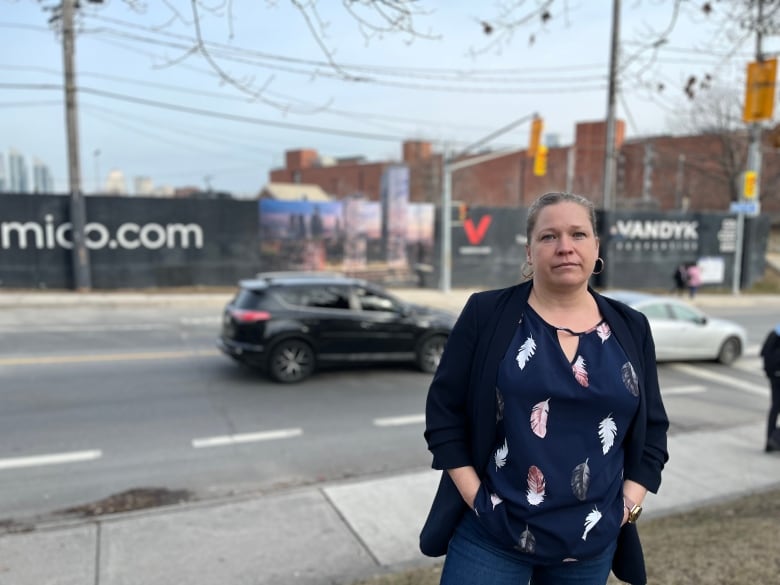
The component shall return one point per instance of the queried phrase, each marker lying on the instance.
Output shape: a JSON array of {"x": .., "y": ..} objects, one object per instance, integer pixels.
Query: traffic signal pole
[
  {"x": 608, "y": 195},
  {"x": 82, "y": 281},
  {"x": 450, "y": 166},
  {"x": 753, "y": 163}
]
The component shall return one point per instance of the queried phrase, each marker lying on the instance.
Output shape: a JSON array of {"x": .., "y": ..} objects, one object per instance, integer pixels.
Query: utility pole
[
  {"x": 679, "y": 183},
  {"x": 608, "y": 198},
  {"x": 753, "y": 164},
  {"x": 82, "y": 280},
  {"x": 647, "y": 173}
]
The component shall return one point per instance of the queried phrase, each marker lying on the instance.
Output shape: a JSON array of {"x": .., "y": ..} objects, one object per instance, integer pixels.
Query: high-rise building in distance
[
  {"x": 42, "y": 179},
  {"x": 3, "y": 180},
  {"x": 19, "y": 181},
  {"x": 115, "y": 183}
]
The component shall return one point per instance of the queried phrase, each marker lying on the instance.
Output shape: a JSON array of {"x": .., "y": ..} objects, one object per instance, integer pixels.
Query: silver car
[{"x": 682, "y": 332}]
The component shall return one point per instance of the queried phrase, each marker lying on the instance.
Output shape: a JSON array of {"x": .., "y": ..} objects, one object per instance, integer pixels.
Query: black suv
[{"x": 289, "y": 323}]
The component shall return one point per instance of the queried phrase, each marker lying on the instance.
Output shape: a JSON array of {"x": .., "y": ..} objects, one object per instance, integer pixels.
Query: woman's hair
[{"x": 552, "y": 199}]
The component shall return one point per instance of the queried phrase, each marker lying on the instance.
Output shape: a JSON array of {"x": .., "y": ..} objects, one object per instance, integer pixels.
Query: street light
[
  {"x": 96, "y": 153},
  {"x": 450, "y": 166}
]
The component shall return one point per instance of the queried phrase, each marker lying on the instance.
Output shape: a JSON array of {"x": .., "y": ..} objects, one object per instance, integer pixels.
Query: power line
[
  {"x": 453, "y": 74},
  {"x": 210, "y": 114},
  {"x": 350, "y": 114}
]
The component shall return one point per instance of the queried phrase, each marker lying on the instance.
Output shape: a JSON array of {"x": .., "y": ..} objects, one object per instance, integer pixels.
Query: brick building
[
  {"x": 700, "y": 173},
  {"x": 351, "y": 176}
]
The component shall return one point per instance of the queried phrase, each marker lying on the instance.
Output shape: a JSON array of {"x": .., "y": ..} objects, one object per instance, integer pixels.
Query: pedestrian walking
[
  {"x": 770, "y": 352},
  {"x": 680, "y": 279},
  {"x": 694, "y": 279},
  {"x": 546, "y": 419}
]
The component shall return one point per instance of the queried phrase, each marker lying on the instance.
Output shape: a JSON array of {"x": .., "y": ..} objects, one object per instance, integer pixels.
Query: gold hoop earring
[
  {"x": 599, "y": 259},
  {"x": 527, "y": 275}
]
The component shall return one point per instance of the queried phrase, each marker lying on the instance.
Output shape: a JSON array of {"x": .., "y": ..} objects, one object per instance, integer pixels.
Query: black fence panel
[
  {"x": 488, "y": 247},
  {"x": 136, "y": 242},
  {"x": 172, "y": 242},
  {"x": 643, "y": 249},
  {"x": 133, "y": 242},
  {"x": 30, "y": 256}
]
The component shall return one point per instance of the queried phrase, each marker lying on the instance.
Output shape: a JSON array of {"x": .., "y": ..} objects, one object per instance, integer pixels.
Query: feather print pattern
[
  {"x": 607, "y": 432},
  {"x": 495, "y": 499},
  {"x": 580, "y": 371},
  {"x": 539, "y": 415},
  {"x": 501, "y": 455},
  {"x": 603, "y": 331},
  {"x": 630, "y": 378},
  {"x": 527, "y": 542},
  {"x": 590, "y": 521},
  {"x": 580, "y": 481},
  {"x": 499, "y": 405},
  {"x": 526, "y": 352},
  {"x": 536, "y": 486}
]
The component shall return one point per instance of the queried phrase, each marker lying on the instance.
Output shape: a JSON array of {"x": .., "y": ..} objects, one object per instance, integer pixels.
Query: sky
[{"x": 150, "y": 104}]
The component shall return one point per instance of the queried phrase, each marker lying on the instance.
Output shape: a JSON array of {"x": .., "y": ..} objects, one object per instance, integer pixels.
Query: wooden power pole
[{"x": 82, "y": 280}]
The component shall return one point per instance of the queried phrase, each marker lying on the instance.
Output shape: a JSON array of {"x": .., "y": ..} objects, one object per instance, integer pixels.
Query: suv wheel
[
  {"x": 429, "y": 353},
  {"x": 291, "y": 360}
]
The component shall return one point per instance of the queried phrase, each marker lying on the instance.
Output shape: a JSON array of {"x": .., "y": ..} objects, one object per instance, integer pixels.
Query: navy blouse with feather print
[{"x": 553, "y": 488}]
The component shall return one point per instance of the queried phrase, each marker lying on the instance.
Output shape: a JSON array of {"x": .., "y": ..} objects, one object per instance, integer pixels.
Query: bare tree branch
[
  {"x": 244, "y": 86},
  {"x": 503, "y": 26}
]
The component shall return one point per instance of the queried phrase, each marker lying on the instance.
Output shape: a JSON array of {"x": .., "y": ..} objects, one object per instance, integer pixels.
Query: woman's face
[{"x": 563, "y": 247}]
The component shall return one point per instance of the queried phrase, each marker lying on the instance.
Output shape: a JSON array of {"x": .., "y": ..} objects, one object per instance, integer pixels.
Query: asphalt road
[{"x": 95, "y": 401}]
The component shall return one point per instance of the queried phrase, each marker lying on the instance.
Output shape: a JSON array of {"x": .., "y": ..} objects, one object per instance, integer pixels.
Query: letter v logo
[{"x": 475, "y": 235}]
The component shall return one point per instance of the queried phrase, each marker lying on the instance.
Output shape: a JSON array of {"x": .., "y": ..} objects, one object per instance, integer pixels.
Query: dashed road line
[
  {"x": 50, "y": 459},
  {"x": 683, "y": 390},
  {"x": 397, "y": 421},
  {"x": 225, "y": 440}
]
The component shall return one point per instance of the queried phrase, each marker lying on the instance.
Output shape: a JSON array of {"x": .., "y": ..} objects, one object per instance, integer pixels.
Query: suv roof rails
[{"x": 298, "y": 274}]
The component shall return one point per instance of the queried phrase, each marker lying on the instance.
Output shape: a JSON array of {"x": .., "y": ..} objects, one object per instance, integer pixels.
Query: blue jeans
[{"x": 472, "y": 560}]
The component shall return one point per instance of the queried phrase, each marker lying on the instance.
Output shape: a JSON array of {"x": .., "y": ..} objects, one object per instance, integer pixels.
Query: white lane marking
[
  {"x": 213, "y": 320},
  {"x": 721, "y": 379},
  {"x": 108, "y": 327},
  {"x": 82, "y": 328},
  {"x": 681, "y": 390},
  {"x": 51, "y": 459},
  {"x": 397, "y": 421},
  {"x": 224, "y": 440}
]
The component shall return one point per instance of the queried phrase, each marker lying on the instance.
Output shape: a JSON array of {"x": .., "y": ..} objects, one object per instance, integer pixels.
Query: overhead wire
[
  {"x": 563, "y": 84},
  {"x": 438, "y": 73},
  {"x": 211, "y": 114}
]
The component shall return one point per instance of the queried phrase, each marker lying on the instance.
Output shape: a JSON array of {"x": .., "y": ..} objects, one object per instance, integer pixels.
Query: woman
[
  {"x": 546, "y": 417},
  {"x": 694, "y": 279}
]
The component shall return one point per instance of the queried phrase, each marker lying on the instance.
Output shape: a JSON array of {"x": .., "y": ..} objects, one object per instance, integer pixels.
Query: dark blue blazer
[{"x": 461, "y": 410}]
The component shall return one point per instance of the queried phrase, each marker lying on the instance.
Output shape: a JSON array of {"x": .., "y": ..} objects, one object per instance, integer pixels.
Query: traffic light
[
  {"x": 540, "y": 161},
  {"x": 536, "y": 136}
]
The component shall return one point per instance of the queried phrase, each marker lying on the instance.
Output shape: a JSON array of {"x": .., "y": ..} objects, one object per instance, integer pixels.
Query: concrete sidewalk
[
  {"x": 331, "y": 533},
  {"x": 335, "y": 533}
]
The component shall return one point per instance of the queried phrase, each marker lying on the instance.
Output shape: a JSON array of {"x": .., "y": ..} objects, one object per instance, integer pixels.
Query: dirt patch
[{"x": 127, "y": 501}]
